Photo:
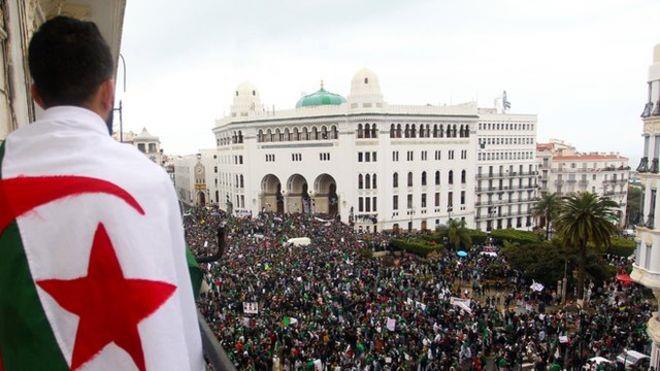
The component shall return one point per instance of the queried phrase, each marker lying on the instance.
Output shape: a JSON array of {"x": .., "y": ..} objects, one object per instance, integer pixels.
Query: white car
[{"x": 632, "y": 358}]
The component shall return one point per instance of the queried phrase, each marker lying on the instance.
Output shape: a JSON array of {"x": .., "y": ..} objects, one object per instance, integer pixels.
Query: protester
[{"x": 330, "y": 305}]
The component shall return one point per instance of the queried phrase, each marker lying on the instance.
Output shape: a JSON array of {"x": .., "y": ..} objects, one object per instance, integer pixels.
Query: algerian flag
[{"x": 93, "y": 270}]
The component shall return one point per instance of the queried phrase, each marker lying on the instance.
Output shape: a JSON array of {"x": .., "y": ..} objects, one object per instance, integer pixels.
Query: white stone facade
[
  {"x": 196, "y": 178},
  {"x": 506, "y": 170},
  {"x": 377, "y": 165},
  {"x": 646, "y": 269},
  {"x": 564, "y": 170}
]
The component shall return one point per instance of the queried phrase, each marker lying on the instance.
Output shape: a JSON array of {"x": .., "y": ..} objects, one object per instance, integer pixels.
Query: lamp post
[{"x": 119, "y": 109}]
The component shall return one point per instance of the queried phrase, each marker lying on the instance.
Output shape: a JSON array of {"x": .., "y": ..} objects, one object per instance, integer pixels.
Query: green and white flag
[{"x": 93, "y": 271}]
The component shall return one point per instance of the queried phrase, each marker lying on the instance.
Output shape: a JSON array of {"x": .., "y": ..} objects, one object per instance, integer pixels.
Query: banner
[
  {"x": 391, "y": 324},
  {"x": 250, "y": 308},
  {"x": 461, "y": 303}
]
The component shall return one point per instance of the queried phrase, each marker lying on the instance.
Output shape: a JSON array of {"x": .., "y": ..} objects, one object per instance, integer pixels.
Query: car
[{"x": 633, "y": 358}]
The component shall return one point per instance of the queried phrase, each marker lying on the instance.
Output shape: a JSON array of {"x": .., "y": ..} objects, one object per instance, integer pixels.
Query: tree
[
  {"x": 634, "y": 205},
  {"x": 584, "y": 220},
  {"x": 547, "y": 207},
  {"x": 458, "y": 233}
]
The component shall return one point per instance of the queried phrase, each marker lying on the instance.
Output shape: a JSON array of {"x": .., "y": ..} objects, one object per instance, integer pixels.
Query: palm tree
[
  {"x": 547, "y": 206},
  {"x": 585, "y": 218},
  {"x": 458, "y": 233}
]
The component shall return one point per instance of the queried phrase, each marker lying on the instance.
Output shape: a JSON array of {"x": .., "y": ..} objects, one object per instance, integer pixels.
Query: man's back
[{"x": 93, "y": 274}]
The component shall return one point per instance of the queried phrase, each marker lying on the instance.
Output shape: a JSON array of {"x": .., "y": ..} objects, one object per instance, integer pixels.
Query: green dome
[{"x": 320, "y": 98}]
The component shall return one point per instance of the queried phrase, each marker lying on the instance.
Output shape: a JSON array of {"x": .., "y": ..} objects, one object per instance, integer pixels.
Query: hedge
[
  {"x": 415, "y": 246},
  {"x": 514, "y": 236},
  {"x": 478, "y": 237},
  {"x": 622, "y": 247}
]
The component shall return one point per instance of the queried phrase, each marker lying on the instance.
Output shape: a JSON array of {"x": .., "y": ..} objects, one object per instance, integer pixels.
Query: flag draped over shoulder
[{"x": 93, "y": 267}]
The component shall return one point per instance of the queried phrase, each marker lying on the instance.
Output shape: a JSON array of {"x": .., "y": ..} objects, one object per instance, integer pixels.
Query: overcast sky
[{"x": 580, "y": 65}]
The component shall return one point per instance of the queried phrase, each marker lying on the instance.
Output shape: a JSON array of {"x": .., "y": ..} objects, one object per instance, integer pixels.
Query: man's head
[{"x": 71, "y": 64}]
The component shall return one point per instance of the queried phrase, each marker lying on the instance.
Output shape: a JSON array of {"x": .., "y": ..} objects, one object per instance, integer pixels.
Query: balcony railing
[
  {"x": 213, "y": 352},
  {"x": 643, "y": 165},
  {"x": 501, "y": 175}
]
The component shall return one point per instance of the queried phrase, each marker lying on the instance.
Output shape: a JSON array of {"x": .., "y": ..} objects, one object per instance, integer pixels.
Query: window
[
  {"x": 373, "y": 204},
  {"x": 410, "y": 179},
  {"x": 438, "y": 155},
  {"x": 462, "y": 197},
  {"x": 423, "y": 178},
  {"x": 437, "y": 199},
  {"x": 373, "y": 181},
  {"x": 395, "y": 156},
  {"x": 395, "y": 180},
  {"x": 410, "y": 155},
  {"x": 367, "y": 181},
  {"x": 450, "y": 154},
  {"x": 395, "y": 202},
  {"x": 450, "y": 199},
  {"x": 462, "y": 176},
  {"x": 423, "y": 200},
  {"x": 367, "y": 204},
  {"x": 424, "y": 155},
  {"x": 450, "y": 176},
  {"x": 367, "y": 157},
  {"x": 360, "y": 204},
  {"x": 359, "y": 156},
  {"x": 373, "y": 156},
  {"x": 437, "y": 177},
  {"x": 647, "y": 257},
  {"x": 360, "y": 182},
  {"x": 410, "y": 201}
]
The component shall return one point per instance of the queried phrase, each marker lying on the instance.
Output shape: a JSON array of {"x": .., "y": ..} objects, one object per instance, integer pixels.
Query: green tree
[
  {"x": 458, "y": 234},
  {"x": 547, "y": 207},
  {"x": 634, "y": 205},
  {"x": 584, "y": 220}
]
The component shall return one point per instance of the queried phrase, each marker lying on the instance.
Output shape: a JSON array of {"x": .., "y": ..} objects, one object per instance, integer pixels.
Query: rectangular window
[
  {"x": 367, "y": 157},
  {"x": 450, "y": 199},
  {"x": 437, "y": 199},
  {"x": 373, "y": 156},
  {"x": 367, "y": 202},
  {"x": 462, "y": 197},
  {"x": 410, "y": 201},
  {"x": 373, "y": 204},
  {"x": 360, "y": 204},
  {"x": 359, "y": 156},
  {"x": 423, "y": 199},
  {"x": 395, "y": 202},
  {"x": 395, "y": 156}
]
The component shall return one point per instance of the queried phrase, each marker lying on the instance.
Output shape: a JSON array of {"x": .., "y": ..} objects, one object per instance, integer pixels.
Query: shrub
[
  {"x": 416, "y": 246},
  {"x": 514, "y": 236},
  {"x": 620, "y": 246}
]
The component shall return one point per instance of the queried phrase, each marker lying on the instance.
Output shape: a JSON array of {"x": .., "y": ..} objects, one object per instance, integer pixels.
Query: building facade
[
  {"x": 374, "y": 164},
  {"x": 18, "y": 21},
  {"x": 564, "y": 170},
  {"x": 646, "y": 269},
  {"x": 506, "y": 177},
  {"x": 196, "y": 178},
  {"x": 145, "y": 143}
]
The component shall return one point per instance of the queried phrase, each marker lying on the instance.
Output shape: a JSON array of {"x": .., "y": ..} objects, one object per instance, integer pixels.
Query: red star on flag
[{"x": 109, "y": 306}]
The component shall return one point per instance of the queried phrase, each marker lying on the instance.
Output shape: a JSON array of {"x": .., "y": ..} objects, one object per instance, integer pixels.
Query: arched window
[
  {"x": 305, "y": 134},
  {"x": 367, "y": 181},
  {"x": 260, "y": 136},
  {"x": 392, "y": 131},
  {"x": 467, "y": 131},
  {"x": 454, "y": 132},
  {"x": 406, "y": 132},
  {"x": 462, "y": 176},
  {"x": 413, "y": 131},
  {"x": 360, "y": 133},
  {"x": 287, "y": 134},
  {"x": 278, "y": 135},
  {"x": 395, "y": 180},
  {"x": 448, "y": 131},
  {"x": 373, "y": 181},
  {"x": 240, "y": 136},
  {"x": 367, "y": 131},
  {"x": 398, "y": 131},
  {"x": 296, "y": 134},
  {"x": 241, "y": 181},
  {"x": 437, "y": 177},
  {"x": 315, "y": 133},
  {"x": 423, "y": 178},
  {"x": 451, "y": 177},
  {"x": 360, "y": 182},
  {"x": 460, "y": 132},
  {"x": 421, "y": 131},
  {"x": 269, "y": 136},
  {"x": 324, "y": 132},
  {"x": 410, "y": 179},
  {"x": 435, "y": 130},
  {"x": 334, "y": 132},
  {"x": 428, "y": 130},
  {"x": 374, "y": 131}
]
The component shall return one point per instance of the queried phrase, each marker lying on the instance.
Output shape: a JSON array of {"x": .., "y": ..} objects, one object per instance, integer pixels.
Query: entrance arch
[
  {"x": 326, "y": 200},
  {"x": 271, "y": 194},
  {"x": 201, "y": 198},
  {"x": 298, "y": 199}
]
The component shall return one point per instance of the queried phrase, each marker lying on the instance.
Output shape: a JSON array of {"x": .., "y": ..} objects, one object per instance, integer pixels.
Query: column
[{"x": 647, "y": 201}]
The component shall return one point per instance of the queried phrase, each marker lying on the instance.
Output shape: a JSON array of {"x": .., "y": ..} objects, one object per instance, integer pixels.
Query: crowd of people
[{"x": 331, "y": 305}]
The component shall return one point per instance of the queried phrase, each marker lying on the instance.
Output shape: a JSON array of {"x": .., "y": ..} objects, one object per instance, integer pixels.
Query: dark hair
[{"x": 68, "y": 61}]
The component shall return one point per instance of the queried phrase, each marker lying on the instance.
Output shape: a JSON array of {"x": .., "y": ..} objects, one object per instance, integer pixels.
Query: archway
[
  {"x": 298, "y": 199},
  {"x": 201, "y": 198},
  {"x": 326, "y": 200},
  {"x": 271, "y": 194}
]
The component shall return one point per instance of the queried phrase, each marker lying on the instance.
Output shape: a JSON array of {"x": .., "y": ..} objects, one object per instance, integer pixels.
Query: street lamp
[{"x": 119, "y": 109}]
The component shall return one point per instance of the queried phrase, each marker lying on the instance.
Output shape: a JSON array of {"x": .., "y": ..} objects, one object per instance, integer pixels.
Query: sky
[{"x": 581, "y": 66}]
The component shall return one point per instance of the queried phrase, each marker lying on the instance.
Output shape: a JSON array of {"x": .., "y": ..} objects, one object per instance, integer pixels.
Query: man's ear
[
  {"x": 36, "y": 96},
  {"x": 107, "y": 95}
]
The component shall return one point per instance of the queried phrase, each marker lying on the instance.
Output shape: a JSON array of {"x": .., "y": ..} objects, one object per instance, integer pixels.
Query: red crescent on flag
[{"x": 22, "y": 194}]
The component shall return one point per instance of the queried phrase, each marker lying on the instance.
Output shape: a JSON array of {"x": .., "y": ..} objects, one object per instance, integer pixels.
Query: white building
[
  {"x": 378, "y": 165},
  {"x": 506, "y": 170},
  {"x": 18, "y": 21},
  {"x": 145, "y": 143},
  {"x": 564, "y": 170},
  {"x": 646, "y": 269},
  {"x": 196, "y": 178}
]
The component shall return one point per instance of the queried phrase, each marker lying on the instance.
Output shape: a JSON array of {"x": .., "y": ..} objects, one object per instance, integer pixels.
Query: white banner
[
  {"x": 391, "y": 324},
  {"x": 461, "y": 303},
  {"x": 250, "y": 308}
]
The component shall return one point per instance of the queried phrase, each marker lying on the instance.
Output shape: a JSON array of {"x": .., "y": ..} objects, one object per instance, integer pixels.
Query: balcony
[
  {"x": 648, "y": 108},
  {"x": 643, "y": 165},
  {"x": 213, "y": 352}
]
